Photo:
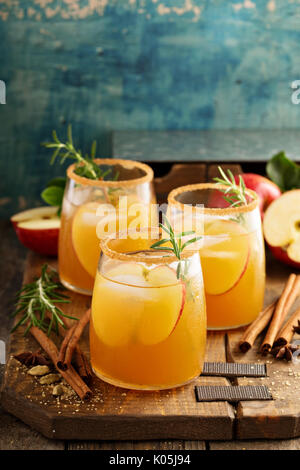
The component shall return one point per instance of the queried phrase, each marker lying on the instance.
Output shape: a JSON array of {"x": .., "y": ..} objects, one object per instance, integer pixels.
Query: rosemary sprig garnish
[
  {"x": 234, "y": 194},
  {"x": 37, "y": 298},
  {"x": 177, "y": 245},
  {"x": 86, "y": 165}
]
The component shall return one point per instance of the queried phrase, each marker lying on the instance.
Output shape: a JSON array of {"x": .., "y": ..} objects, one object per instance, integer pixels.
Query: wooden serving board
[{"x": 118, "y": 414}]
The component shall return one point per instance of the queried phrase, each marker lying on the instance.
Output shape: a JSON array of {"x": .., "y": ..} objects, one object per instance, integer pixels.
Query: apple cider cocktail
[
  {"x": 148, "y": 323},
  {"x": 94, "y": 208},
  {"x": 232, "y": 252}
]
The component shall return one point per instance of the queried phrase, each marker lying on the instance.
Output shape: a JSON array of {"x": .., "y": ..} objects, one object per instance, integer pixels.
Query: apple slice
[
  {"x": 131, "y": 274},
  {"x": 164, "y": 308},
  {"x": 38, "y": 229},
  {"x": 118, "y": 303},
  {"x": 84, "y": 236},
  {"x": 281, "y": 227},
  {"x": 224, "y": 256}
]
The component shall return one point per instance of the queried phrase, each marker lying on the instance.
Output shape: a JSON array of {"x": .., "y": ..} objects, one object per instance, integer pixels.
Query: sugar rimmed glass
[
  {"x": 114, "y": 201},
  {"x": 148, "y": 328},
  {"x": 232, "y": 253}
]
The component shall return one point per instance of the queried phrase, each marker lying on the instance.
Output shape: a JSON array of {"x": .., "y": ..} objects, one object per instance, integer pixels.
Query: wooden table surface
[{"x": 16, "y": 435}]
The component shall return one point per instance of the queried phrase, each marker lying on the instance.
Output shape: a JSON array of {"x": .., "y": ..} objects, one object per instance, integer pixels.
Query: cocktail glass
[
  {"x": 94, "y": 208},
  {"x": 148, "y": 327},
  {"x": 232, "y": 253}
]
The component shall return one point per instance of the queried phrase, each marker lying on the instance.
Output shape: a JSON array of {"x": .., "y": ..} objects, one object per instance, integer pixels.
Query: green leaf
[
  {"x": 189, "y": 242},
  {"x": 283, "y": 172},
  {"x": 160, "y": 242},
  {"x": 59, "y": 181},
  {"x": 53, "y": 195}
]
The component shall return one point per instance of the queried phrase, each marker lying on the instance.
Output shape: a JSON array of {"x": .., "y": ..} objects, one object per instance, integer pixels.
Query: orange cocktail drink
[
  {"x": 94, "y": 208},
  {"x": 148, "y": 327},
  {"x": 232, "y": 253}
]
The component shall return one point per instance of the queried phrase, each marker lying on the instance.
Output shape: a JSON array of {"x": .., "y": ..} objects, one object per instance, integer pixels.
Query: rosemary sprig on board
[
  {"x": 235, "y": 193},
  {"x": 177, "y": 246},
  {"x": 37, "y": 298}
]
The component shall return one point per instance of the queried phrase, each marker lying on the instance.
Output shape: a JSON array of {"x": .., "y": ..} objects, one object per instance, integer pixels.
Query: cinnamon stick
[
  {"x": 80, "y": 360},
  {"x": 284, "y": 303},
  {"x": 63, "y": 348},
  {"x": 256, "y": 328},
  {"x": 71, "y": 376},
  {"x": 286, "y": 333},
  {"x": 75, "y": 337}
]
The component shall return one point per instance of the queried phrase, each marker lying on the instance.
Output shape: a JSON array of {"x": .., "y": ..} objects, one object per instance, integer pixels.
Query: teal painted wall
[{"x": 109, "y": 65}]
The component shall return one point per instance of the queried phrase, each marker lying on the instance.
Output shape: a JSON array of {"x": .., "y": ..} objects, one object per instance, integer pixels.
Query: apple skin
[
  {"x": 182, "y": 306},
  {"x": 267, "y": 190},
  {"x": 44, "y": 242},
  {"x": 282, "y": 256},
  {"x": 42, "y": 238}
]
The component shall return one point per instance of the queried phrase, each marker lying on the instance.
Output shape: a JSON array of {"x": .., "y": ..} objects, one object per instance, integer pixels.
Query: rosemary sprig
[
  {"x": 234, "y": 194},
  {"x": 39, "y": 297},
  {"x": 86, "y": 165},
  {"x": 177, "y": 245}
]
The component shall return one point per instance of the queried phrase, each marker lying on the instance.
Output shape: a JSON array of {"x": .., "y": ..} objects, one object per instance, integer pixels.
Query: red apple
[
  {"x": 282, "y": 227},
  {"x": 267, "y": 190},
  {"x": 38, "y": 229}
]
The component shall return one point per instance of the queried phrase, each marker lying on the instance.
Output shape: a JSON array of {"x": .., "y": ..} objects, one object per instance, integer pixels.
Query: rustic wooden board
[
  {"x": 118, "y": 414},
  {"x": 279, "y": 418},
  {"x": 113, "y": 413}
]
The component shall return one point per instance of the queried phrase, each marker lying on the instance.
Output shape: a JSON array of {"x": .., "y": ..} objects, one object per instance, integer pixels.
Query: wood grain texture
[
  {"x": 107, "y": 65},
  {"x": 247, "y": 413},
  {"x": 137, "y": 445},
  {"x": 213, "y": 145},
  {"x": 112, "y": 413},
  {"x": 179, "y": 175},
  {"x": 279, "y": 418},
  {"x": 287, "y": 444}
]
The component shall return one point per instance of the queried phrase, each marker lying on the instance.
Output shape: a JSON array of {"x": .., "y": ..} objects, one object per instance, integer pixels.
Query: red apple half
[
  {"x": 282, "y": 227},
  {"x": 267, "y": 190},
  {"x": 38, "y": 229}
]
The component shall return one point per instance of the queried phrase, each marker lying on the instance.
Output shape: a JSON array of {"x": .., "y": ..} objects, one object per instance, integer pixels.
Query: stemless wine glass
[
  {"x": 148, "y": 327},
  {"x": 232, "y": 253},
  {"x": 111, "y": 203}
]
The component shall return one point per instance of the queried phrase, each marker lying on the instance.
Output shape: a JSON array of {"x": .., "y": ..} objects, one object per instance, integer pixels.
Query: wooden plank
[
  {"x": 12, "y": 256},
  {"x": 230, "y": 145},
  {"x": 137, "y": 445},
  {"x": 180, "y": 175},
  {"x": 13, "y": 433},
  {"x": 112, "y": 413},
  {"x": 279, "y": 418},
  {"x": 287, "y": 444}
]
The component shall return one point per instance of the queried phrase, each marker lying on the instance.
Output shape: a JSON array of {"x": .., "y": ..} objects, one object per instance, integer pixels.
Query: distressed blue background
[{"x": 131, "y": 64}]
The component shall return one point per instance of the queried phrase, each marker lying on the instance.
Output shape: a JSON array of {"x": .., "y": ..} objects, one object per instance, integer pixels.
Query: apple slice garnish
[
  {"x": 137, "y": 308},
  {"x": 164, "y": 308},
  {"x": 38, "y": 229},
  {"x": 123, "y": 290},
  {"x": 224, "y": 256},
  {"x": 282, "y": 227},
  {"x": 84, "y": 236}
]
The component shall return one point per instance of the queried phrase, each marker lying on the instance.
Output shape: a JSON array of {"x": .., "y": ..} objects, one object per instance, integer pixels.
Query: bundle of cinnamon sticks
[
  {"x": 279, "y": 334},
  {"x": 79, "y": 376}
]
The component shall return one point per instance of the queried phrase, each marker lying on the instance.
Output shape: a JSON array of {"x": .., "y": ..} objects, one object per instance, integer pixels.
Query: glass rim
[
  {"x": 131, "y": 256},
  {"x": 213, "y": 210},
  {"x": 128, "y": 164}
]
